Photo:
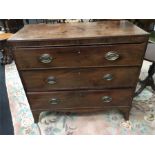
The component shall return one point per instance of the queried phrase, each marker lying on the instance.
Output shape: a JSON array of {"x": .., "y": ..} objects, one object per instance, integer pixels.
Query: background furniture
[
  {"x": 12, "y": 25},
  {"x": 148, "y": 81},
  {"x": 149, "y": 56},
  {"x": 80, "y": 67},
  {"x": 5, "y": 56}
]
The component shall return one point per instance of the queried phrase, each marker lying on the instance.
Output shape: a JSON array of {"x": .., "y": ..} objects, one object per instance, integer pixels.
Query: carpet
[{"x": 142, "y": 120}]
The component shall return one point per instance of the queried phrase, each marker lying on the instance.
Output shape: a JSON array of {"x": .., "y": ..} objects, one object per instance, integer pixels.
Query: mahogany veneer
[{"x": 79, "y": 67}]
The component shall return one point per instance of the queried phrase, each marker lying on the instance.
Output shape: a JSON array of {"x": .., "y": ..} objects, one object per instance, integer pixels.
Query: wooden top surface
[
  {"x": 5, "y": 36},
  {"x": 70, "y": 31}
]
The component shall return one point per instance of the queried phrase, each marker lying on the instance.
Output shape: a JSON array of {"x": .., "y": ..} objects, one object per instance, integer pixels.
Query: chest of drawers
[{"x": 79, "y": 67}]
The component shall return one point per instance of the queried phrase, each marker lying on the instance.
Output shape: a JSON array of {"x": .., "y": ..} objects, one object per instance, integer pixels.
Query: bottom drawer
[{"x": 79, "y": 99}]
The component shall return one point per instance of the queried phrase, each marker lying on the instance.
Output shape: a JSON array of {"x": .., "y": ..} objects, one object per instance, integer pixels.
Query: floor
[
  {"x": 142, "y": 120},
  {"x": 6, "y": 126}
]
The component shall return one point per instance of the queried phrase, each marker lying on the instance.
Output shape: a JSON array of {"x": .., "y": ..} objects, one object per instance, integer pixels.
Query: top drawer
[{"x": 80, "y": 56}]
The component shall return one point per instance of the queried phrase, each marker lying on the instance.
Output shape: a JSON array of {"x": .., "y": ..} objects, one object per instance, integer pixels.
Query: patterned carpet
[{"x": 141, "y": 122}]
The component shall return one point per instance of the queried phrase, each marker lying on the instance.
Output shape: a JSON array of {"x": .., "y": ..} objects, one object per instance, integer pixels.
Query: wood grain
[
  {"x": 79, "y": 56},
  {"x": 77, "y": 30},
  {"x": 78, "y": 33},
  {"x": 79, "y": 99},
  {"x": 86, "y": 78}
]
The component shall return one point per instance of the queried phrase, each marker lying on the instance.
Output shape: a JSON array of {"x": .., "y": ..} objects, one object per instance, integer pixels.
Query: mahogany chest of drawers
[{"x": 79, "y": 67}]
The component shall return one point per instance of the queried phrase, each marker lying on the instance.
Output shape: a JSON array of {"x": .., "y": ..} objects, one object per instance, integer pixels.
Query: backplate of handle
[
  {"x": 106, "y": 99},
  {"x": 54, "y": 101},
  {"x": 45, "y": 58},
  {"x": 112, "y": 56},
  {"x": 108, "y": 77},
  {"x": 51, "y": 80}
]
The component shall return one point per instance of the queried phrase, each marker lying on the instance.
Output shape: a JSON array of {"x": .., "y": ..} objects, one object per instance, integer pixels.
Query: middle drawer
[{"x": 83, "y": 78}]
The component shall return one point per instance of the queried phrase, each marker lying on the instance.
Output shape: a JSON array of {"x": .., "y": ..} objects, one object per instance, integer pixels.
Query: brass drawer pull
[
  {"x": 51, "y": 80},
  {"x": 54, "y": 101},
  {"x": 106, "y": 99},
  {"x": 45, "y": 58},
  {"x": 108, "y": 77},
  {"x": 112, "y": 56}
]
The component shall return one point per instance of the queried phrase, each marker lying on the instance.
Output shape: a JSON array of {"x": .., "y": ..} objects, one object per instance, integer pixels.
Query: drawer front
[
  {"x": 79, "y": 56},
  {"x": 80, "y": 99},
  {"x": 85, "y": 78}
]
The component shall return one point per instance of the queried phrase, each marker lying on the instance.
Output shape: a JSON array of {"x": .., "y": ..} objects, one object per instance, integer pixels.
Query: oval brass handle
[
  {"x": 106, "y": 99},
  {"x": 112, "y": 56},
  {"x": 108, "y": 77},
  {"x": 45, "y": 58},
  {"x": 51, "y": 80},
  {"x": 54, "y": 101}
]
